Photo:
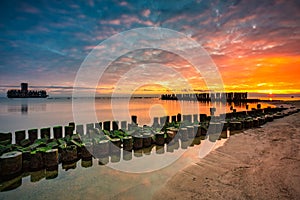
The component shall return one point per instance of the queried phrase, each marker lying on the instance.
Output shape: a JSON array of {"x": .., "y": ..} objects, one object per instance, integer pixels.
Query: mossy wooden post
[
  {"x": 106, "y": 125},
  {"x": 160, "y": 138},
  {"x": 195, "y": 118},
  {"x": 127, "y": 155},
  {"x": 160, "y": 149},
  {"x": 183, "y": 134},
  {"x": 51, "y": 158},
  {"x": 138, "y": 141},
  {"x": 124, "y": 125},
  {"x": 101, "y": 149},
  {"x": 147, "y": 139},
  {"x": 203, "y": 117},
  {"x": 138, "y": 152},
  {"x": 115, "y": 125},
  {"x": 87, "y": 151},
  {"x": 189, "y": 118},
  {"x": 10, "y": 164},
  {"x": 72, "y": 124},
  {"x": 87, "y": 163},
  {"x": 255, "y": 123},
  {"x": 134, "y": 119},
  {"x": 45, "y": 133},
  {"x": 98, "y": 125},
  {"x": 69, "y": 154},
  {"x": 127, "y": 143},
  {"x": 115, "y": 145},
  {"x": 155, "y": 122},
  {"x": 79, "y": 130},
  {"x": 197, "y": 130},
  {"x": 170, "y": 136},
  {"x": 32, "y": 135},
  {"x": 68, "y": 130},
  {"x": 178, "y": 117},
  {"x": 57, "y": 132},
  {"x": 26, "y": 160},
  {"x": 163, "y": 120},
  {"x": 258, "y": 106},
  {"x": 89, "y": 127},
  {"x": 36, "y": 161},
  {"x": 115, "y": 149},
  {"x": 19, "y": 136},
  {"x": 213, "y": 131},
  {"x": 173, "y": 118},
  {"x": 190, "y": 130},
  {"x": 5, "y": 138}
]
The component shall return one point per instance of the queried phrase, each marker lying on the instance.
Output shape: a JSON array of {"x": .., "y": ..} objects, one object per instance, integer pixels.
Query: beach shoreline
[{"x": 260, "y": 163}]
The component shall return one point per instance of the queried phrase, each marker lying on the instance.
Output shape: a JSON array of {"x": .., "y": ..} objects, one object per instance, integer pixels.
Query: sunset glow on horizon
[{"x": 254, "y": 44}]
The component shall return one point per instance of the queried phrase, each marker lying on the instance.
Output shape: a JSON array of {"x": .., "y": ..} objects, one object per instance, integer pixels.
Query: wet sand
[{"x": 261, "y": 163}]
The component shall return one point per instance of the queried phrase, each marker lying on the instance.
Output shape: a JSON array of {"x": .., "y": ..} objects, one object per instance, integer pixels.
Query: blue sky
[{"x": 45, "y": 42}]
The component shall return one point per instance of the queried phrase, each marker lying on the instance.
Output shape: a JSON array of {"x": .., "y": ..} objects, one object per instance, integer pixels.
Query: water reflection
[{"x": 48, "y": 173}]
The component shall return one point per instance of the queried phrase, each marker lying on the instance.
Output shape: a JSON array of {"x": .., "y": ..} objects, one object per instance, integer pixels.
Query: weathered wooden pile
[{"x": 100, "y": 140}]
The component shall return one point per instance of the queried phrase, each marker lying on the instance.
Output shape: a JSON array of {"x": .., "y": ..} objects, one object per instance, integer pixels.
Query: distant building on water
[{"x": 25, "y": 93}]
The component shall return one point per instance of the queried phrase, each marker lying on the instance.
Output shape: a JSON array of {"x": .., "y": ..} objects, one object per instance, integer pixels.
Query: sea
[
  {"x": 134, "y": 175},
  {"x": 23, "y": 114}
]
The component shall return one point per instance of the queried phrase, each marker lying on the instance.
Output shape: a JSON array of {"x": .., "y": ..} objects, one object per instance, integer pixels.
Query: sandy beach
[{"x": 261, "y": 163}]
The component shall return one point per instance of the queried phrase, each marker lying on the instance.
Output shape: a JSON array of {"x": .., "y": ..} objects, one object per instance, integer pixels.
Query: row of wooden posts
[
  {"x": 14, "y": 162},
  {"x": 62, "y": 131},
  {"x": 205, "y": 97}
]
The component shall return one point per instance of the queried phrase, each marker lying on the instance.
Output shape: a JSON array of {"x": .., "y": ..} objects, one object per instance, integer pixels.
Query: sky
[{"x": 254, "y": 44}]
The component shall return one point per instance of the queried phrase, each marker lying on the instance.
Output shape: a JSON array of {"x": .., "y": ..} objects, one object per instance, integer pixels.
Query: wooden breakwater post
[
  {"x": 101, "y": 151},
  {"x": 45, "y": 133},
  {"x": 171, "y": 135},
  {"x": 183, "y": 133},
  {"x": 89, "y": 128},
  {"x": 51, "y": 159},
  {"x": 134, "y": 119},
  {"x": 32, "y": 135},
  {"x": 115, "y": 149},
  {"x": 19, "y": 136},
  {"x": 5, "y": 138},
  {"x": 115, "y": 125},
  {"x": 10, "y": 164},
  {"x": 87, "y": 151},
  {"x": 69, "y": 154},
  {"x": 155, "y": 122},
  {"x": 79, "y": 129},
  {"x": 147, "y": 139},
  {"x": 179, "y": 117},
  {"x": 69, "y": 130},
  {"x": 164, "y": 120},
  {"x": 57, "y": 132},
  {"x": 190, "y": 132},
  {"x": 106, "y": 125},
  {"x": 98, "y": 125},
  {"x": 36, "y": 161},
  {"x": 160, "y": 138},
  {"x": 124, "y": 125},
  {"x": 127, "y": 143},
  {"x": 137, "y": 141}
]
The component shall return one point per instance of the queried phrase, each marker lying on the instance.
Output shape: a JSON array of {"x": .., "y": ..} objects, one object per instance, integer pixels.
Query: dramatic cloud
[{"x": 255, "y": 44}]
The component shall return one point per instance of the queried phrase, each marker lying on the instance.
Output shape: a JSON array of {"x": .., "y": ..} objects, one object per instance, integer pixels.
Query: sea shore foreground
[{"x": 260, "y": 163}]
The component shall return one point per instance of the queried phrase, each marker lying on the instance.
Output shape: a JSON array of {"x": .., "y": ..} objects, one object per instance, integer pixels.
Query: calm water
[
  {"x": 134, "y": 176},
  {"x": 18, "y": 114}
]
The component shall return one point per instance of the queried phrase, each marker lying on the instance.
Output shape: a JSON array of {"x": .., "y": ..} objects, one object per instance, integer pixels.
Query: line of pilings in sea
[
  {"x": 206, "y": 97},
  {"x": 40, "y": 154}
]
